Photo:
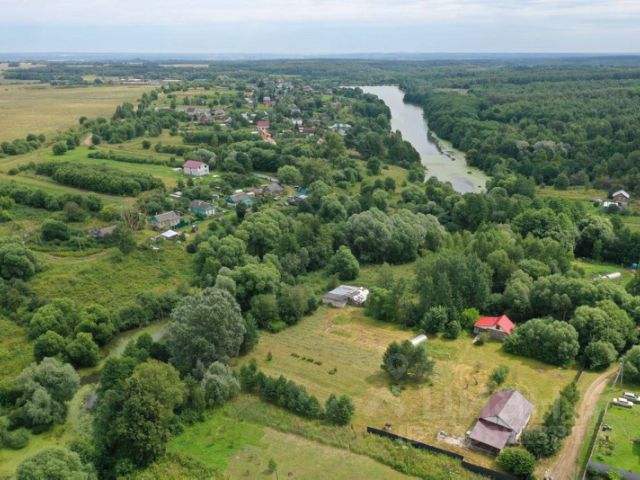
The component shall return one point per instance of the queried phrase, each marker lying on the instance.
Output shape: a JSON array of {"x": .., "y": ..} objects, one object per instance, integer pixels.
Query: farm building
[
  {"x": 346, "y": 294},
  {"x": 274, "y": 188},
  {"x": 498, "y": 327},
  {"x": 621, "y": 197},
  {"x": 166, "y": 219},
  {"x": 240, "y": 197},
  {"x": 170, "y": 235},
  {"x": 203, "y": 209},
  {"x": 194, "y": 168},
  {"x": 501, "y": 421}
]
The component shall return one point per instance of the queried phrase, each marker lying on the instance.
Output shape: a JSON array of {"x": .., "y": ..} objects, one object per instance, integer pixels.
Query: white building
[{"x": 195, "y": 169}]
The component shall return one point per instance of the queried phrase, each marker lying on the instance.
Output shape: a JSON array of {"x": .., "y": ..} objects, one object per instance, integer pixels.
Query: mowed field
[
  {"x": 44, "y": 109},
  {"x": 243, "y": 449},
  {"x": 351, "y": 346}
]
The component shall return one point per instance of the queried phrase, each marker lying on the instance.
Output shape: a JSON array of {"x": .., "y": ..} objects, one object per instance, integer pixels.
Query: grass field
[
  {"x": 243, "y": 450},
  {"x": 118, "y": 279},
  {"x": 16, "y": 352},
  {"x": 43, "y": 109},
  {"x": 616, "y": 447},
  {"x": 573, "y": 193},
  {"x": 350, "y": 343}
]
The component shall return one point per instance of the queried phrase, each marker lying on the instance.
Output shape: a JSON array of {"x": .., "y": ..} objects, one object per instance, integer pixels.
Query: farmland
[{"x": 43, "y": 109}]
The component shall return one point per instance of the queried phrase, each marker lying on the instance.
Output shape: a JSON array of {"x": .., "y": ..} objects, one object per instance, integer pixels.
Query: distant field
[
  {"x": 43, "y": 109},
  {"x": 573, "y": 193},
  {"x": 616, "y": 447},
  {"x": 352, "y": 344}
]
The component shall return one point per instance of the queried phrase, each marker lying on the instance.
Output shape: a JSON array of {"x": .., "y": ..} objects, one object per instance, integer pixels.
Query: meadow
[
  {"x": 118, "y": 278},
  {"x": 243, "y": 449},
  {"x": 29, "y": 108},
  {"x": 340, "y": 350}
]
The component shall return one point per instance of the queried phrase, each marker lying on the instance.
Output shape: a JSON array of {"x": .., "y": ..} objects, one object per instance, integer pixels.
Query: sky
[{"x": 320, "y": 27}]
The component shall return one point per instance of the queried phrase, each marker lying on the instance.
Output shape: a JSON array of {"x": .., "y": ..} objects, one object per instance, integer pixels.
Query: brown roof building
[{"x": 501, "y": 421}]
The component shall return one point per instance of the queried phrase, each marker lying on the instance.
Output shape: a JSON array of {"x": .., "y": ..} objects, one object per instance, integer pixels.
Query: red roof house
[
  {"x": 498, "y": 327},
  {"x": 263, "y": 125},
  {"x": 195, "y": 169}
]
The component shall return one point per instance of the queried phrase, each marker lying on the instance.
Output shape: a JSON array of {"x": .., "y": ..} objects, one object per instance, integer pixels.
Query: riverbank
[{"x": 438, "y": 156}]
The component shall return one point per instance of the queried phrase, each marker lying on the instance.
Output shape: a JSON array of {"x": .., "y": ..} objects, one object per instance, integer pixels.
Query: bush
[
  {"x": 59, "y": 148},
  {"x": 517, "y": 461},
  {"x": 16, "y": 439},
  {"x": 54, "y": 230},
  {"x": 499, "y": 375},
  {"x": 338, "y": 411},
  {"x": 452, "y": 330}
]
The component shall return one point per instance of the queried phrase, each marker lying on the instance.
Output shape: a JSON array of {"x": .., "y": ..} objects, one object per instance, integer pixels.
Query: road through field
[{"x": 566, "y": 467}]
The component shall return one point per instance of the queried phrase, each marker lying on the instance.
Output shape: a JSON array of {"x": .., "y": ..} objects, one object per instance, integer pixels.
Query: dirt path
[{"x": 566, "y": 467}]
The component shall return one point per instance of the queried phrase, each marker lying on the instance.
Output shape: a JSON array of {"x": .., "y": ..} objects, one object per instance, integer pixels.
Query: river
[{"x": 440, "y": 158}]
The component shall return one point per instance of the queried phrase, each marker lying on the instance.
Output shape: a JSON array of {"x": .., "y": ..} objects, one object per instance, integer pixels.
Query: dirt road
[{"x": 566, "y": 466}]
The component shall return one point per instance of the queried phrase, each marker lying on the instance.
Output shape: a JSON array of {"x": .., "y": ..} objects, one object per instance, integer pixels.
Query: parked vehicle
[{"x": 622, "y": 402}]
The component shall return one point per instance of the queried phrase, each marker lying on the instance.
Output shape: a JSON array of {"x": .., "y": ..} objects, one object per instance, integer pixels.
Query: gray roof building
[{"x": 501, "y": 421}]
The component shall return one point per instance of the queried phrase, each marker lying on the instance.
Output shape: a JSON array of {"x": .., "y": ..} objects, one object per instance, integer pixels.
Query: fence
[
  {"x": 605, "y": 469},
  {"x": 423, "y": 446}
]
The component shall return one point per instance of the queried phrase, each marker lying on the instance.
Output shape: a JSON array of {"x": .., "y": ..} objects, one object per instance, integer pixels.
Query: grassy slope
[
  {"x": 16, "y": 352},
  {"x": 43, "y": 109},
  {"x": 353, "y": 344},
  {"x": 243, "y": 435},
  {"x": 118, "y": 279}
]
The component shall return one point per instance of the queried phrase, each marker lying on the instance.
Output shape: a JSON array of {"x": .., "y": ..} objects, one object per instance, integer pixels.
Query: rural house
[
  {"x": 273, "y": 188},
  {"x": 263, "y": 125},
  {"x": 194, "y": 168},
  {"x": 345, "y": 294},
  {"x": 240, "y": 197},
  {"x": 165, "y": 220},
  {"x": 202, "y": 209},
  {"x": 498, "y": 327},
  {"x": 621, "y": 197},
  {"x": 501, "y": 421}
]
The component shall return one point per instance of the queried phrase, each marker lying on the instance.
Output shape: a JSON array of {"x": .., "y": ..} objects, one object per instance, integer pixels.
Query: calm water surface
[{"x": 443, "y": 162}]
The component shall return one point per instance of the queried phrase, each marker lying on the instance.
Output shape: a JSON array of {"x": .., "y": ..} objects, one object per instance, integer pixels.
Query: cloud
[{"x": 248, "y": 12}]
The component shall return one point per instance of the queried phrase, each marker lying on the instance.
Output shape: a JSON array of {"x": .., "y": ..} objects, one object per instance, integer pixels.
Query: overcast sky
[{"x": 320, "y": 26}]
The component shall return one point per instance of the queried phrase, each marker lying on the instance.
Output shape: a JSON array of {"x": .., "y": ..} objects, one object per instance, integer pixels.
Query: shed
[
  {"x": 346, "y": 294},
  {"x": 169, "y": 235}
]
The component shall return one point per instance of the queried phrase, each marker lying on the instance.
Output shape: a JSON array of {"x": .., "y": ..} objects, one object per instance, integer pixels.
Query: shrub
[
  {"x": 339, "y": 410},
  {"x": 517, "y": 461}
]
